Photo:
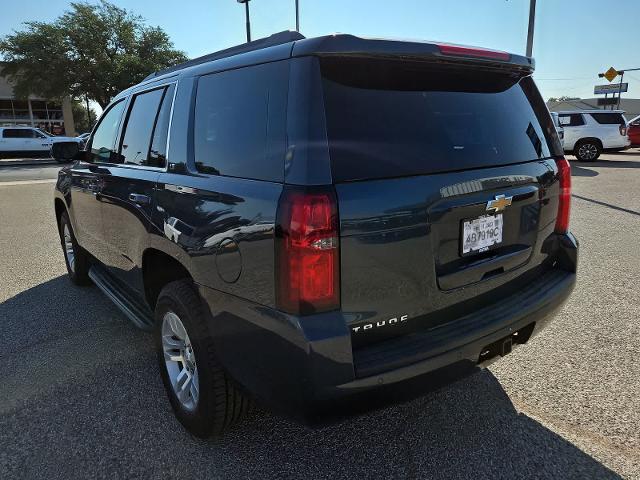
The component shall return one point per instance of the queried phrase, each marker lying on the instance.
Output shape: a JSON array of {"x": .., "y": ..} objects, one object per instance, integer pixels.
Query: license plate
[{"x": 481, "y": 233}]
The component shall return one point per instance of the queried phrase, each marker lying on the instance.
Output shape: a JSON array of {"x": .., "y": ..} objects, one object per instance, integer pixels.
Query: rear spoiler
[{"x": 350, "y": 45}]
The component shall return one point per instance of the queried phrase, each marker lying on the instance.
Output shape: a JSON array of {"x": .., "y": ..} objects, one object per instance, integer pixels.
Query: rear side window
[
  {"x": 104, "y": 137},
  {"x": 147, "y": 123},
  {"x": 390, "y": 118},
  {"x": 571, "y": 120},
  {"x": 240, "y": 122},
  {"x": 609, "y": 118},
  {"x": 17, "y": 133}
]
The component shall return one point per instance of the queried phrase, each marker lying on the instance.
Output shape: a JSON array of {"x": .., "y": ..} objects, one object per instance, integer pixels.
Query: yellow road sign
[{"x": 611, "y": 74}]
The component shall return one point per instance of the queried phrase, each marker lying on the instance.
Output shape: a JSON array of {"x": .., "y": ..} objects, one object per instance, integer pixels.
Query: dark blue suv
[{"x": 303, "y": 221}]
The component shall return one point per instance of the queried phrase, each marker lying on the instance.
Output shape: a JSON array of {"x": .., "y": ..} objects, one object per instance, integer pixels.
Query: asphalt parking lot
[{"x": 81, "y": 396}]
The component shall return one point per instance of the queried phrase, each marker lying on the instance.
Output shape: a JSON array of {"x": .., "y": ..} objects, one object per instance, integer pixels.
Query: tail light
[
  {"x": 564, "y": 204},
  {"x": 623, "y": 130},
  {"x": 307, "y": 251},
  {"x": 459, "y": 50}
]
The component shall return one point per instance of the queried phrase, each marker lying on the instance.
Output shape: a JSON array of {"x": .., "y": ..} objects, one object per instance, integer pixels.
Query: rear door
[
  {"x": 128, "y": 186},
  {"x": 14, "y": 139},
  {"x": 87, "y": 180},
  {"x": 445, "y": 183}
]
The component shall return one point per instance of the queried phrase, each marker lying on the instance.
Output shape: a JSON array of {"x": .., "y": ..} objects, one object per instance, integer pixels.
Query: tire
[
  {"x": 185, "y": 350},
  {"x": 62, "y": 160},
  {"x": 76, "y": 258},
  {"x": 587, "y": 150}
]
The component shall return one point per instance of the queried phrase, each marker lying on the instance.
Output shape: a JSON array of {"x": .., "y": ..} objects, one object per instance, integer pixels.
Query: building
[
  {"x": 631, "y": 106},
  {"x": 37, "y": 112}
]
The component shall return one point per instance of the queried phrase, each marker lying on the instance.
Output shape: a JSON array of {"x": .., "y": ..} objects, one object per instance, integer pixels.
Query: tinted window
[
  {"x": 17, "y": 133},
  {"x": 389, "y": 118},
  {"x": 139, "y": 127},
  {"x": 571, "y": 120},
  {"x": 158, "y": 152},
  {"x": 239, "y": 122},
  {"x": 609, "y": 118},
  {"x": 104, "y": 138}
]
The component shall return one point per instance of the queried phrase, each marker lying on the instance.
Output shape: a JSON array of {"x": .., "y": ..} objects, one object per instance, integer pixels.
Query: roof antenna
[
  {"x": 297, "y": 18},
  {"x": 246, "y": 12}
]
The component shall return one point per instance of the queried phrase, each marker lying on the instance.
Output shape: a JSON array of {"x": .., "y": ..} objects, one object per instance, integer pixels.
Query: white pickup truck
[{"x": 16, "y": 140}]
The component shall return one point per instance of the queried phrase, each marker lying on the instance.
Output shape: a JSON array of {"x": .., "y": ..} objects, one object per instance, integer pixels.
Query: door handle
[{"x": 139, "y": 199}]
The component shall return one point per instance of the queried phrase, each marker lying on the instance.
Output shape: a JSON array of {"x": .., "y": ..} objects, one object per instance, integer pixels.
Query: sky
[{"x": 574, "y": 39}]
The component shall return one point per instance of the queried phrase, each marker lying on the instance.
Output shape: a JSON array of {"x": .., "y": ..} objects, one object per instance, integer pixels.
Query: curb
[{"x": 19, "y": 162}]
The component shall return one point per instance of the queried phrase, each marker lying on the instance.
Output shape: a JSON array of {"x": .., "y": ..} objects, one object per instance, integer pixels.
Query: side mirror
[{"x": 67, "y": 151}]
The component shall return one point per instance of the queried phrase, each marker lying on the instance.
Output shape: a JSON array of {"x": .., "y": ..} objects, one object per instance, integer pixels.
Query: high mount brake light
[
  {"x": 307, "y": 251},
  {"x": 461, "y": 51},
  {"x": 564, "y": 203}
]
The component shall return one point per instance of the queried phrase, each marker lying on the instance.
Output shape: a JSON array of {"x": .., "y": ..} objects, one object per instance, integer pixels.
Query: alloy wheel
[
  {"x": 68, "y": 248},
  {"x": 180, "y": 361},
  {"x": 588, "y": 151}
]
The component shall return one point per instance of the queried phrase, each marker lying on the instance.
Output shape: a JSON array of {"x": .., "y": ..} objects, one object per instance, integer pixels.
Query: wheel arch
[
  {"x": 60, "y": 208},
  {"x": 593, "y": 139},
  {"x": 158, "y": 269}
]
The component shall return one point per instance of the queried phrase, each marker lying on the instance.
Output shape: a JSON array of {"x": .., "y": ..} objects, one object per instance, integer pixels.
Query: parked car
[
  {"x": 18, "y": 140},
  {"x": 306, "y": 221},
  {"x": 559, "y": 128},
  {"x": 633, "y": 130},
  {"x": 587, "y": 133}
]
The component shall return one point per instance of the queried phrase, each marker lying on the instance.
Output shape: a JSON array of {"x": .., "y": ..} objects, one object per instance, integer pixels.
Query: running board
[{"x": 138, "y": 313}]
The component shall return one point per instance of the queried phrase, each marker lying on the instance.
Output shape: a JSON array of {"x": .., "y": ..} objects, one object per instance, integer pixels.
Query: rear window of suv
[
  {"x": 391, "y": 118},
  {"x": 609, "y": 118}
]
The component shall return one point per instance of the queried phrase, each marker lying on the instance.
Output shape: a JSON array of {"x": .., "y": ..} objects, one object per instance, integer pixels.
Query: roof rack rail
[{"x": 270, "y": 41}]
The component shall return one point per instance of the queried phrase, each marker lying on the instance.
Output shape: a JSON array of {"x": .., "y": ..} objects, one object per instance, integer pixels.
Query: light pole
[
  {"x": 532, "y": 18},
  {"x": 246, "y": 11}
]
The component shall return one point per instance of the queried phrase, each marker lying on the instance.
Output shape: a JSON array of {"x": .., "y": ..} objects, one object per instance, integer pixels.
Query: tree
[
  {"x": 91, "y": 50},
  {"x": 563, "y": 99},
  {"x": 83, "y": 122}
]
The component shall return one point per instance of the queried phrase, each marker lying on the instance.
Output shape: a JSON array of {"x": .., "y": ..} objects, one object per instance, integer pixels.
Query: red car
[{"x": 633, "y": 130}]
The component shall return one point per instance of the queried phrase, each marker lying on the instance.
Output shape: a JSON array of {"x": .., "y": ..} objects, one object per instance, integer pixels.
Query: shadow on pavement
[
  {"x": 110, "y": 417},
  {"x": 53, "y": 309},
  {"x": 611, "y": 164},
  {"x": 605, "y": 204},
  {"x": 580, "y": 171}
]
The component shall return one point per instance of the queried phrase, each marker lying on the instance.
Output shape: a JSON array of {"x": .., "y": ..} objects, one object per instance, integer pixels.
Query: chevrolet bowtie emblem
[{"x": 499, "y": 203}]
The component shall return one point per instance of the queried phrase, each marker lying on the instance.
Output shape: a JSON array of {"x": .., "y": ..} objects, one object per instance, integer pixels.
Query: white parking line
[{"x": 27, "y": 182}]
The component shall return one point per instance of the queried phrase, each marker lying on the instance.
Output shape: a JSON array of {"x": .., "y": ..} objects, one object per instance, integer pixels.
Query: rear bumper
[{"x": 302, "y": 365}]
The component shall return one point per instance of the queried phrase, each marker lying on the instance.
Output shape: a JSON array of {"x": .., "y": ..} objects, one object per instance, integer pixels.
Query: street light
[{"x": 246, "y": 11}]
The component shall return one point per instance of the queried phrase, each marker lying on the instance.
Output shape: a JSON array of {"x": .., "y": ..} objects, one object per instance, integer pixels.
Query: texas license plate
[{"x": 480, "y": 234}]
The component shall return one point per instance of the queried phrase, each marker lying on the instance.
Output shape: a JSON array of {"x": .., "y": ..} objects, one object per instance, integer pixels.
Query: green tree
[
  {"x": 83, "y": 122},
  {"x": 564, "y": 98},
  {"x": 91, "y": 50}
]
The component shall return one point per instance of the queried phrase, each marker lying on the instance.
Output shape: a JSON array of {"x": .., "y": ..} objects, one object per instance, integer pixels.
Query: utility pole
[
  {"x": 297, "y": 18},
  {"x": 620, "y": 88},
  {"x": 532, "y": 18},
  {"x": 248, "y": 22}
]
